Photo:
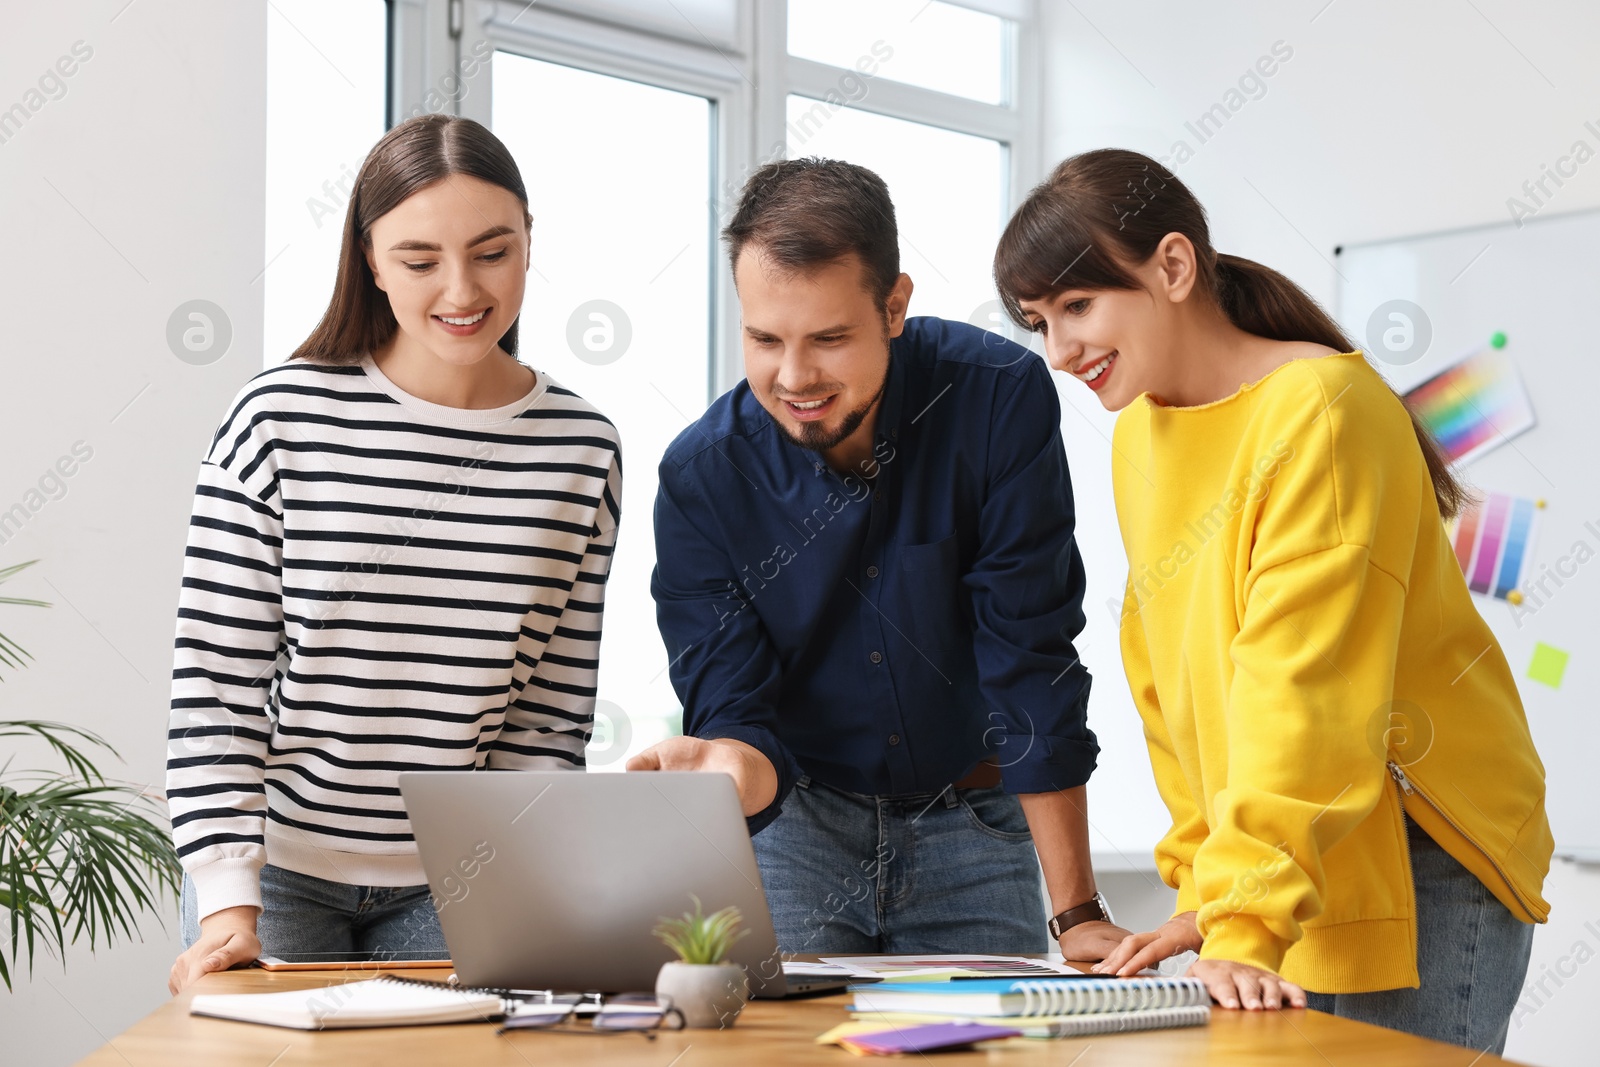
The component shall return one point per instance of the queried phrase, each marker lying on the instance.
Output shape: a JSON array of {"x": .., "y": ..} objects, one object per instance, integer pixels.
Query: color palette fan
[
  {"x": 1475, "y": 404},
  {"x": 1493, "y": 543}
]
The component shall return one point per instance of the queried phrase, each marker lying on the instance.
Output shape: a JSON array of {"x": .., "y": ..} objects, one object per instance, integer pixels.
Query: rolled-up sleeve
[{"x": 1027, "y": 583}]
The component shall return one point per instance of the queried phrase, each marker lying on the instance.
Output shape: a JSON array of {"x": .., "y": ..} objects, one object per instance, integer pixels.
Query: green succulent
[{"x": 701, "y": 938}]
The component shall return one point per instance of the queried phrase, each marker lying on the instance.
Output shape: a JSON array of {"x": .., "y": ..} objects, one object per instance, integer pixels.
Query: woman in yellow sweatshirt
[{"x": 1357, "y": 807}]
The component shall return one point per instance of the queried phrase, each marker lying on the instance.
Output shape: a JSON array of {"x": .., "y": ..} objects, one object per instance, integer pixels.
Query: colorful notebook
[
  {"x": 1110, "y": 1022},
  {"x": 993, "y": 998}
]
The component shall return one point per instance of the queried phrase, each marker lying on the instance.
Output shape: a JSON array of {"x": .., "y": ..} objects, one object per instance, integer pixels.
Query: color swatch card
[
  {"x": 1493, "y": 539},
  {"x": 1475, "y": 404},
  {"x": 927, "y": 1037}
]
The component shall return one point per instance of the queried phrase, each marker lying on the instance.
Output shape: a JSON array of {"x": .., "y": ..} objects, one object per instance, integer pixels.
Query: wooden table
[{"x": 768, "y": 1034}]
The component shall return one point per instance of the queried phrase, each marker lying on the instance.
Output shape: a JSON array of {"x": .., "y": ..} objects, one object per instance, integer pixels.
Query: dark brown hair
[
  {"x": 804, "y": 213},
  {"x": 1103, "y": 209},
  {"x": 410, "y": 157}
]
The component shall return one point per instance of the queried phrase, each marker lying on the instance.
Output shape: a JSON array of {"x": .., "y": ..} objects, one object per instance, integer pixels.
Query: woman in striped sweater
[{"x": 397, "y": 561}]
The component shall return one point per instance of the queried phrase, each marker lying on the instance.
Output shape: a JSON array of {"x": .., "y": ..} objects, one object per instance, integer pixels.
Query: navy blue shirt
[{"x": 882, "y": 631}]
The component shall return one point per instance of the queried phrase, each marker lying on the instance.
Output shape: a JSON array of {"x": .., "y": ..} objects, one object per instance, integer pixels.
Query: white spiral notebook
[{"x": 385, "y": 1001}]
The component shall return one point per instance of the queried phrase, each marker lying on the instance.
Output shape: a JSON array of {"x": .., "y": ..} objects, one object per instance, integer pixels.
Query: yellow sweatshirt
[{"x": 1306, "y": 659}]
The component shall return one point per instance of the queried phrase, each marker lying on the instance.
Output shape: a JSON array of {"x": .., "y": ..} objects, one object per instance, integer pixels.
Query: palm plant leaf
[
  {"x": 80, "y": 856},
  {"x": 56, "y": 735},
  {"x": 78, "y": 861},
  {"x": 11, "y": 653}
]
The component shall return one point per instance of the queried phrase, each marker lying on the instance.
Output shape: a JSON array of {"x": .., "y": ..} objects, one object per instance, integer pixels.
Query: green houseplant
[
  {"x": 702, "y": 983},
  {"x": 80, "y": 855}
]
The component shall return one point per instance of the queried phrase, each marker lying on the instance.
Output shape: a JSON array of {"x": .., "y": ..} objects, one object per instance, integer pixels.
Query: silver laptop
[{"x": 554, "y": 879}]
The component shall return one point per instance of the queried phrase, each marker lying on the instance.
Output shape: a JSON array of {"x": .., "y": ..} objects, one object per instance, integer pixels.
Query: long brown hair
[
  {"x": 1103, "y": 209},
  {"x": 413, "y": 155}
]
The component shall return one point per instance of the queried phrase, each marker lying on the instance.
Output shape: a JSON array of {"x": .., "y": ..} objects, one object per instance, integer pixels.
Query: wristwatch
[{"x": 1092, "y": 910}]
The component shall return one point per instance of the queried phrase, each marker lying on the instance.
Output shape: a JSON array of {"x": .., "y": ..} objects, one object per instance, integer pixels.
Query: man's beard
[{"x": 819, "y": 438}]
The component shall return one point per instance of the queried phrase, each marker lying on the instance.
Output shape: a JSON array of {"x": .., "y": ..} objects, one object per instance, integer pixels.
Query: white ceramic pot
[{"x": 710, "y": 995}]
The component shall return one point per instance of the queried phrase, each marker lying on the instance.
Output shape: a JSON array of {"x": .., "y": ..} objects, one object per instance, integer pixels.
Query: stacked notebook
[{"x": 1047, "y": 1007}]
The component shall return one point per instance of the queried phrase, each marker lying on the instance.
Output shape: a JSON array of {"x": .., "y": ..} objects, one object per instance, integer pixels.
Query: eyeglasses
[{"x": 621, "y": 1013}]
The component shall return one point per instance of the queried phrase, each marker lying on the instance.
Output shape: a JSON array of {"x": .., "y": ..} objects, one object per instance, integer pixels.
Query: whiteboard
[{"x": 1538, "y": 283}]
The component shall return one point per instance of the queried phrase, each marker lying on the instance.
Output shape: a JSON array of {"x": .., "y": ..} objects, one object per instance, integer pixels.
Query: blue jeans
[
  {"x": 1472, "y": 957},
  {"x": 300, "y": 913},
  {"x": 927, "y": 873}
]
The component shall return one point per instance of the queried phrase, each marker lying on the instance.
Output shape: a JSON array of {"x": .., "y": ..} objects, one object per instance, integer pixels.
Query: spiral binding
[
  {"x": 506, "y": 997},
  {"x": 429, "y": 983},
  {"x": 1089, "y": 996},
  {"x": 1118, "y": 1022}
]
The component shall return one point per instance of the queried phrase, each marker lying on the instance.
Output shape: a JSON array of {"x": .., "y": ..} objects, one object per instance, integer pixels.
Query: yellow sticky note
[{"x": 1549, "y": 664}]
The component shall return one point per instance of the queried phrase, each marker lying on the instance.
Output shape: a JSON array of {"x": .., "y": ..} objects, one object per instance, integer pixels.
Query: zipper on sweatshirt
[
  {"x": 1408, "y": 787},
  {"x": 1411, "y": 869}
]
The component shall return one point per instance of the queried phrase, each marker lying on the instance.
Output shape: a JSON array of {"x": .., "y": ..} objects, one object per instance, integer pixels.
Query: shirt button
[
  {"x": 877, "y": 495},
  {"x": 876, "y": 657},
  {"x": 872, "y": 572},
  {"x": 894, "y": 739}
]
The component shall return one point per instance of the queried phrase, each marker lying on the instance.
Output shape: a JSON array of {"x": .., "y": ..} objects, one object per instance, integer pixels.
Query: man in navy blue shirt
[{"x": 868, "y": 586}]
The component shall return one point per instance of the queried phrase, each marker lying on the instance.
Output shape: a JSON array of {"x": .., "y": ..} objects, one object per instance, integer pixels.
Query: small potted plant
[{"x": 707, "y": 989}]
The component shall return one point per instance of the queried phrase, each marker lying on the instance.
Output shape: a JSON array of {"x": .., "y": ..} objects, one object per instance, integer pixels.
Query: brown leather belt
[{"x": 985, "y": 775}]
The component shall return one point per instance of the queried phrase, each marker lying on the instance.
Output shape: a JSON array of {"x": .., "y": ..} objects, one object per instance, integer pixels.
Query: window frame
[{"x": 429, "y": 38}]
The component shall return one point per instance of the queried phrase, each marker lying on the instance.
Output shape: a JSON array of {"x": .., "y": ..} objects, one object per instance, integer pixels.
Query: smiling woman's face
[
  {"x": 1103, "y": 338},
  {"x": 453, "y": 250},
  {"x": 1121, "y": 343}
]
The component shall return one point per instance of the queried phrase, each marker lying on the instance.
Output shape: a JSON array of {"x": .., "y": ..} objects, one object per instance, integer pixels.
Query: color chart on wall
[
  {"x": 1493, "y": 540},
  {"x": 1475, "y": 404}
]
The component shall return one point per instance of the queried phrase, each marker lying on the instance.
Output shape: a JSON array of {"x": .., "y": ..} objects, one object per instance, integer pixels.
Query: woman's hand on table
[
  {"x": 1138, "y": 951},
  {"x": 1232, "y": 985},
  {"x": 1239, "y": 985},
  {"x": 227, "y": 939}
]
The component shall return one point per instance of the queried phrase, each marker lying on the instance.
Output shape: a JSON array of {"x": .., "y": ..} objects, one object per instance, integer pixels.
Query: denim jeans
[
  {"x": 1472, "y": 957},
  {"x": 926, "y": 873},
  {"x": 300, "y": 913}
]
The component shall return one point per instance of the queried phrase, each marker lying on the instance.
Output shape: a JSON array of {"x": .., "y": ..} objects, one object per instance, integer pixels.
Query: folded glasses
[{"x": 617, "y": 1014}]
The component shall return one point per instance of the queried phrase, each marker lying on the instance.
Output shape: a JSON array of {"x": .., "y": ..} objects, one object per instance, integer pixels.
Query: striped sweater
[{"x": 373, "y": 584}]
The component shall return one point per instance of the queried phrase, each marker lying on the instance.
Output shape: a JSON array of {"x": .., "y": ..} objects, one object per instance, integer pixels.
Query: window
[
  {"x": 326, "y": 88},
  {"x": 618, "y": 310},
  {"x": 915, "y": 40},
  {"x": 636, "y": 124},
  {"x": 949, "y": 197},
  {"x": 873, "y": 82}
]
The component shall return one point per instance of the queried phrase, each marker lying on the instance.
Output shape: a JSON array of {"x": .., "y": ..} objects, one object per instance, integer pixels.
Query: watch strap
[{"x": 1091, "y": 910}]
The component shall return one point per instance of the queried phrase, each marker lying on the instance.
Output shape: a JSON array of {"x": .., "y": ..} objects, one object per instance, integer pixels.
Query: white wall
[
  {"x": 1387, "y": 119},
  {"x": 136, "y": 190}
]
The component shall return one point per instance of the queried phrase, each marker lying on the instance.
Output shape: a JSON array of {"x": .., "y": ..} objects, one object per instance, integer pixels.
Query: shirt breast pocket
[{"x": 934, "y": 598}]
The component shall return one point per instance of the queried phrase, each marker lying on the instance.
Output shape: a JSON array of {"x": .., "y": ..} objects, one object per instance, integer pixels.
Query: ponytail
[
  {"x": 1114, "y": 199},
  {"x": 1261, "y": 301}
]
